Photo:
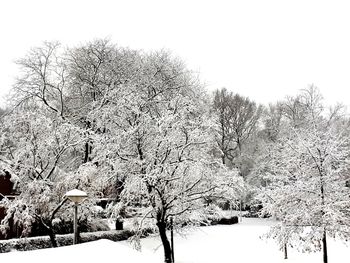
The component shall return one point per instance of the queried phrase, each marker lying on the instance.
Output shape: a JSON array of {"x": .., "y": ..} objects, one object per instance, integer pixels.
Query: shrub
[
  {"x": 24, "y": 244},
  {"x": 225, "y": 221},
  {"x": 228, "y": 221}
]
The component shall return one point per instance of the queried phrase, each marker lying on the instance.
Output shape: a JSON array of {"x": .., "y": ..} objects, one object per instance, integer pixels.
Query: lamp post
[{"x": 77, "y": 197}]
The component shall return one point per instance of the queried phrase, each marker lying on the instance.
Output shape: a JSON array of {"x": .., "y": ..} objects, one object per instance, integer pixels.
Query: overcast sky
[{"x": 263, "y": 49}]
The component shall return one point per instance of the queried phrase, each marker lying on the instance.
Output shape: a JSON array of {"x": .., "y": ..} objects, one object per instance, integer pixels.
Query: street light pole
[
  {"x": 75, "y": 240},
  {"x": 77, "y": 197}
]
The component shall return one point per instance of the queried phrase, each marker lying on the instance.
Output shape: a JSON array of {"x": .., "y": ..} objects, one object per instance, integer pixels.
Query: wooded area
[{"x": 141, "y": 129}]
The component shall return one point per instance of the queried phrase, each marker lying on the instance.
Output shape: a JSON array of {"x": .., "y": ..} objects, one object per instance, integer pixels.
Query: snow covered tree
[
  {"x": 42, "y": 78},
  {"x": 36, "y": 150},
  {"x": 306, "y": 171},
  {"x": 158, "y": 138},
  {"x": 272, "y": 120},
  {"x": 236, "y": 119},
  {"x": 105, "y": 116}
]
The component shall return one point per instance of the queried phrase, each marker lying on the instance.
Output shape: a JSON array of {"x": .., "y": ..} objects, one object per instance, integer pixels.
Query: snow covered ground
[
  {"x": 92, "y": 252},
  {"x": 241, "y": 243},
  {"x": 235, "y": 243}
]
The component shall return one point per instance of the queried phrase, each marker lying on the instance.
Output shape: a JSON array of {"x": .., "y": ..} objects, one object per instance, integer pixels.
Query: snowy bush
[
  {"x": 24, "y": 244},
  {"x": 227, "y": 221}
]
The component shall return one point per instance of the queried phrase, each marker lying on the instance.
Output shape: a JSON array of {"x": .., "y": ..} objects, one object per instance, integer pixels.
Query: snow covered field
[
  {"x": 235, "y": 243},
  {"x": 240, "y": 243}
]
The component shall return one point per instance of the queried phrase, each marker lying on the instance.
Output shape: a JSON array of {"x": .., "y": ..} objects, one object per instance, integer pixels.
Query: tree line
[{"x": 141, "y": 129}]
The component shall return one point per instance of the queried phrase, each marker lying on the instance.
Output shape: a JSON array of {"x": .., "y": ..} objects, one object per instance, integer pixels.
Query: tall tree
[
  {"x": 306, "y": 173},
  {"x": 158, "y": 138},
  {"x": 236, "y": 121}
]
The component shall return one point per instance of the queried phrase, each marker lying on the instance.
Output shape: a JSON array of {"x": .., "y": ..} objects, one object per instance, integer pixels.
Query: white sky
[{"x": 264, "y": 49}]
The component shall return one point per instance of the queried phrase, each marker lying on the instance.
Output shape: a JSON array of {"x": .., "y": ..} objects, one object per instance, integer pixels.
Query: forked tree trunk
[
  {"x": 49, "y": 226},
  {"x": 52, "y": 237},
  {"x": 50, "y": 232},
  {"x": 166, "y": 244},
  {"x": 324, "y": 244}
]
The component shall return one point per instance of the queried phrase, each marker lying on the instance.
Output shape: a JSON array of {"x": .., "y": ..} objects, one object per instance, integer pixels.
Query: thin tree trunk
[
  {"x": 223, "y": 141},
  {"x": 172, "y": 238},
  {"x": 322, "y": 183},
  {"x": 166, "y": 244},
  {"x": 285, "y": 251},
  {"x": 239, "y": 144},
  {"x": 87, "y": 152},
  {"x": 324, "y": 244}
]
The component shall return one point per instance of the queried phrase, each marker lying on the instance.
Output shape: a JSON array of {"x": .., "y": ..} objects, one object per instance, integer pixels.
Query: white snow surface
[
  {"x": 240, "y": 243},
  {"x": 234, "y": 243},
  {"x": 97, "y": 251}
]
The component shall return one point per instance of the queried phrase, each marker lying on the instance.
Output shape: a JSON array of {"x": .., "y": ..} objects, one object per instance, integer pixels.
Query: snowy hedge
[
  {"x": 32, "y": 243},
  {"x": 23, "y": 244},
  {"x": 225, "y": 221}
]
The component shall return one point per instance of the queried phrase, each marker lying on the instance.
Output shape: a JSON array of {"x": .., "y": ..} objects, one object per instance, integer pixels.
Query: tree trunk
[
  {"x": 49, "y": 226},
  {"x": 166, "y": 244},
  {"x": 87, "y": 152},
  {"x": 239, "y": 144},
  {"x": 52, "y": 238},
  {"x": 172, "y": 238},
  {"x": 285, "y": 251},
  {"x": 50, "y": 232},
  {"x": 324, "y": 243},
  {"x": 322, "y": 183}
]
